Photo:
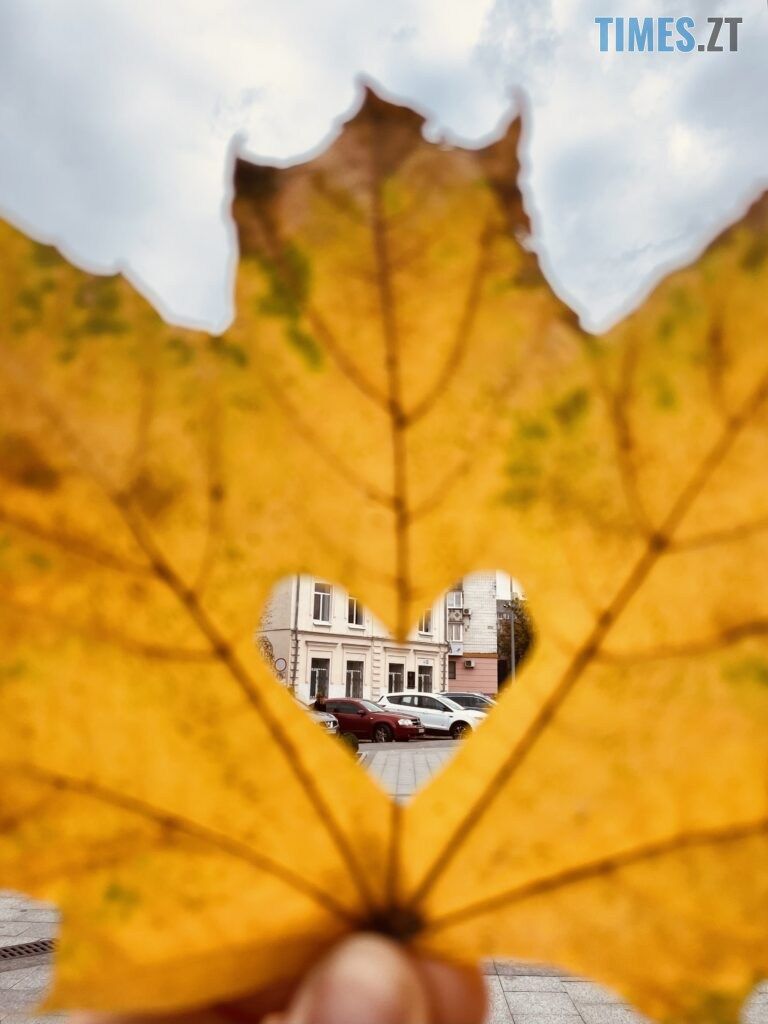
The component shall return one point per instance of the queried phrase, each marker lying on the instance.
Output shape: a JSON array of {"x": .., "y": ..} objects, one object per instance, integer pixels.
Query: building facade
[
  {"x": 323, "y": 642},
  {"x": 475, "y": 662}
]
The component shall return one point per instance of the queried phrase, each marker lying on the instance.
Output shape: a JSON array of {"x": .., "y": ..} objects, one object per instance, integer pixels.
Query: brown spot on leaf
[
  {"x": 153, "y": 494},
  {"x": 23, "y": 464}
]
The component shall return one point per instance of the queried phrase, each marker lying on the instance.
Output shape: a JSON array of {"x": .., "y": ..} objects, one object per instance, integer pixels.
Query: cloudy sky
[{"x": 117, "y": 121}]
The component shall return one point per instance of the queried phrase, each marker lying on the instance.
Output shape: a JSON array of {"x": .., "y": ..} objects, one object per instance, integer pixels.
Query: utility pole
[{"x": 512, "y": 652}]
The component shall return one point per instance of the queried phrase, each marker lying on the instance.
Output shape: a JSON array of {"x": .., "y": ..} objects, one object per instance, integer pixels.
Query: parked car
[
  {"x": 324, "y": 720},
  {"x": 439, "y": 714},
  {"x": 473, "y": 701},
  {"x": 368, "y": 721}
]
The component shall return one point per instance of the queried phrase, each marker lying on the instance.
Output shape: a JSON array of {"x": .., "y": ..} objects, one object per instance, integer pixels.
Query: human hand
[{"x": 364, "y": 980}]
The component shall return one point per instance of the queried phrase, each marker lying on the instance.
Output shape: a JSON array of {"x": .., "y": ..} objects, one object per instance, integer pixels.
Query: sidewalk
[
  {"x": 21, "y": 921},
  {"x": 520, "y": 993}
]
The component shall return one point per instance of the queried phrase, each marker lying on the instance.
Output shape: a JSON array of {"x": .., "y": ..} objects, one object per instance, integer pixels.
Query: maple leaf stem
[{"x": 655, "y": 546}]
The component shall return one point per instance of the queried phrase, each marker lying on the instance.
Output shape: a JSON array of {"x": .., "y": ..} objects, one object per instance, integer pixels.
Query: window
[
  {"x": 456, "y": 632},
  {"x": 430, "y": 704},
  {"x": 354, "y": 612},
  {"x": 399, "y": 699},
  {"x": 455, "y": 598},
  {"x": 411, "y": 680},
  {"x": 354, "y": 678},
  {"x": 425, "y": 678},
  {"x": 425, "y": 622},
  {"x": 319, "y": 674},
  {"x": 396, "y": 678},
  {"x": 344, "y": 707},
  {"x": 321, "y": 605},
  {"x": 451, "y": 669}
]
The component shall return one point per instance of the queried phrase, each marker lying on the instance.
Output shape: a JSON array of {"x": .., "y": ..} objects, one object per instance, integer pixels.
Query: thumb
[{"x": 366, "y": 978}]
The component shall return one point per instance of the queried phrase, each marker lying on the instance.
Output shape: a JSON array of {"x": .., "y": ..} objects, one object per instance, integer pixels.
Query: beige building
[{"x": 323, "y": 641}]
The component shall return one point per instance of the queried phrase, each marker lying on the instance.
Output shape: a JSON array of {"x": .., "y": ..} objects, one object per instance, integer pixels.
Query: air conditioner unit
[{"x": 469, "y": 663}]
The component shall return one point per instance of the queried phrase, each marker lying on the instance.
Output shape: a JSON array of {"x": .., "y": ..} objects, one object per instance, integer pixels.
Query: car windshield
[
  {"x": 472, "y": 700},
  {"x": 370, "y": 706},
  {"x": 451, "y": 703}
]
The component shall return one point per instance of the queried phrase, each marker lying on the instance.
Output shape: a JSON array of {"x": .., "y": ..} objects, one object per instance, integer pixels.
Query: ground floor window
[
  {"x": 411, "y": 680},
  {"x": 319, "y": 676},
  {"x": 355, "y": 678},
  {"x": 396, "y": 678},
  {"x": 451, "y": 669},
  {"x": 425, "y": 678}
]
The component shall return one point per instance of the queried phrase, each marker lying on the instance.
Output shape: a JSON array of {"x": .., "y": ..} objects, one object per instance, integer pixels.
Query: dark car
[
  {"x": 368, "y": 721},
  {"x": 475, "y": 701}
]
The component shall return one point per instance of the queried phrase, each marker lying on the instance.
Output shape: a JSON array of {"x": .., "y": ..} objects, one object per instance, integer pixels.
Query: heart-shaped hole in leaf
[{"x": 412, "y": 699}]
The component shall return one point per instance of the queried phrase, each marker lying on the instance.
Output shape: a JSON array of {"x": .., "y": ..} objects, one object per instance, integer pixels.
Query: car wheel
[
  {"x": 350, "y": 740},
  {"x": 382, "y": 734},
  {"x": 460, "y": 729}
]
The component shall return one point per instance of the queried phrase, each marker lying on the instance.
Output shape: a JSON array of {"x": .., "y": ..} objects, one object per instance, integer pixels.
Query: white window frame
[
  {"x": 425, "y": 622},
  {"x": 456, "y": 632},
  {"x": 401, "y": 676},
  {"x": 361, "y": 663},
  {"x": 455, "y": 599},
  {"x": 313, "y": 689},
  {"x": 355, "y": 607},
  {"x": 425, "y": 670},
  {"x": 321, "y": 590}
]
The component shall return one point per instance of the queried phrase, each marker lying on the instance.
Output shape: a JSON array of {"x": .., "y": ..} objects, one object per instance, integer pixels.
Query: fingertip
[
  {"x": 456, "y": 994},
  {"x": 366, "y": 978}
]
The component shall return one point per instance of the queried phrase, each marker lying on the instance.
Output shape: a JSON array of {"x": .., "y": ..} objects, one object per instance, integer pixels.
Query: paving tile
[
  {"x": 514, "y": 967},
  {"x": 532, "y": 983},
  {"x": 588, "y": 992},
  {"x": 546, "y": 1018},
  {"x": 31, "y": 978},
  {"x": 594, "y": 1013},
  {"x": 498, "y": 1008},
  {"x": 557, "y": 1004},
  {"x": 17, "y": 1001}
]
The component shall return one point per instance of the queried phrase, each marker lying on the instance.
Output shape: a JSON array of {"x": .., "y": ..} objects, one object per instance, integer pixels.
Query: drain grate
[{"x": 26, "y": 954}]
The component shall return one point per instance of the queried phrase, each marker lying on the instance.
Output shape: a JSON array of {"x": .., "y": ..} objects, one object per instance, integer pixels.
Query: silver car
[{"x": 324, "y": 720}]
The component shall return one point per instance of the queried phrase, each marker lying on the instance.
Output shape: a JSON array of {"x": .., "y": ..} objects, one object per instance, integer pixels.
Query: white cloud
[{"x": 115, "y": 121}]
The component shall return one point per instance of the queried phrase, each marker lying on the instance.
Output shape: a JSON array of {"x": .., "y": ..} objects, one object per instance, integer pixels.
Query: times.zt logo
[{"x": 668, "y": 35}]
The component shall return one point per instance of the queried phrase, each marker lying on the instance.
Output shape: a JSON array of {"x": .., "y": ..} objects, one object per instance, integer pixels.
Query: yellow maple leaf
[{"x": 401, "y": 400}]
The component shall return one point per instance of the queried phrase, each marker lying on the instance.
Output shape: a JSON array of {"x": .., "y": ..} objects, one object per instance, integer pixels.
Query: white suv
[{"x": 438, "y": 713}]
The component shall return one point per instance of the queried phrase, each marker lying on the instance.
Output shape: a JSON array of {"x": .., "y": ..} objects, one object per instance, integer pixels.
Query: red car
[{"x": 368, "y": 721}]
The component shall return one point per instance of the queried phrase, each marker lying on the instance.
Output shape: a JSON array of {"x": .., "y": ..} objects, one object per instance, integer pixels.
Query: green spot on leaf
[
  {"x": 749, "y": 669},
  {"x": 572, "y": 407}
]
